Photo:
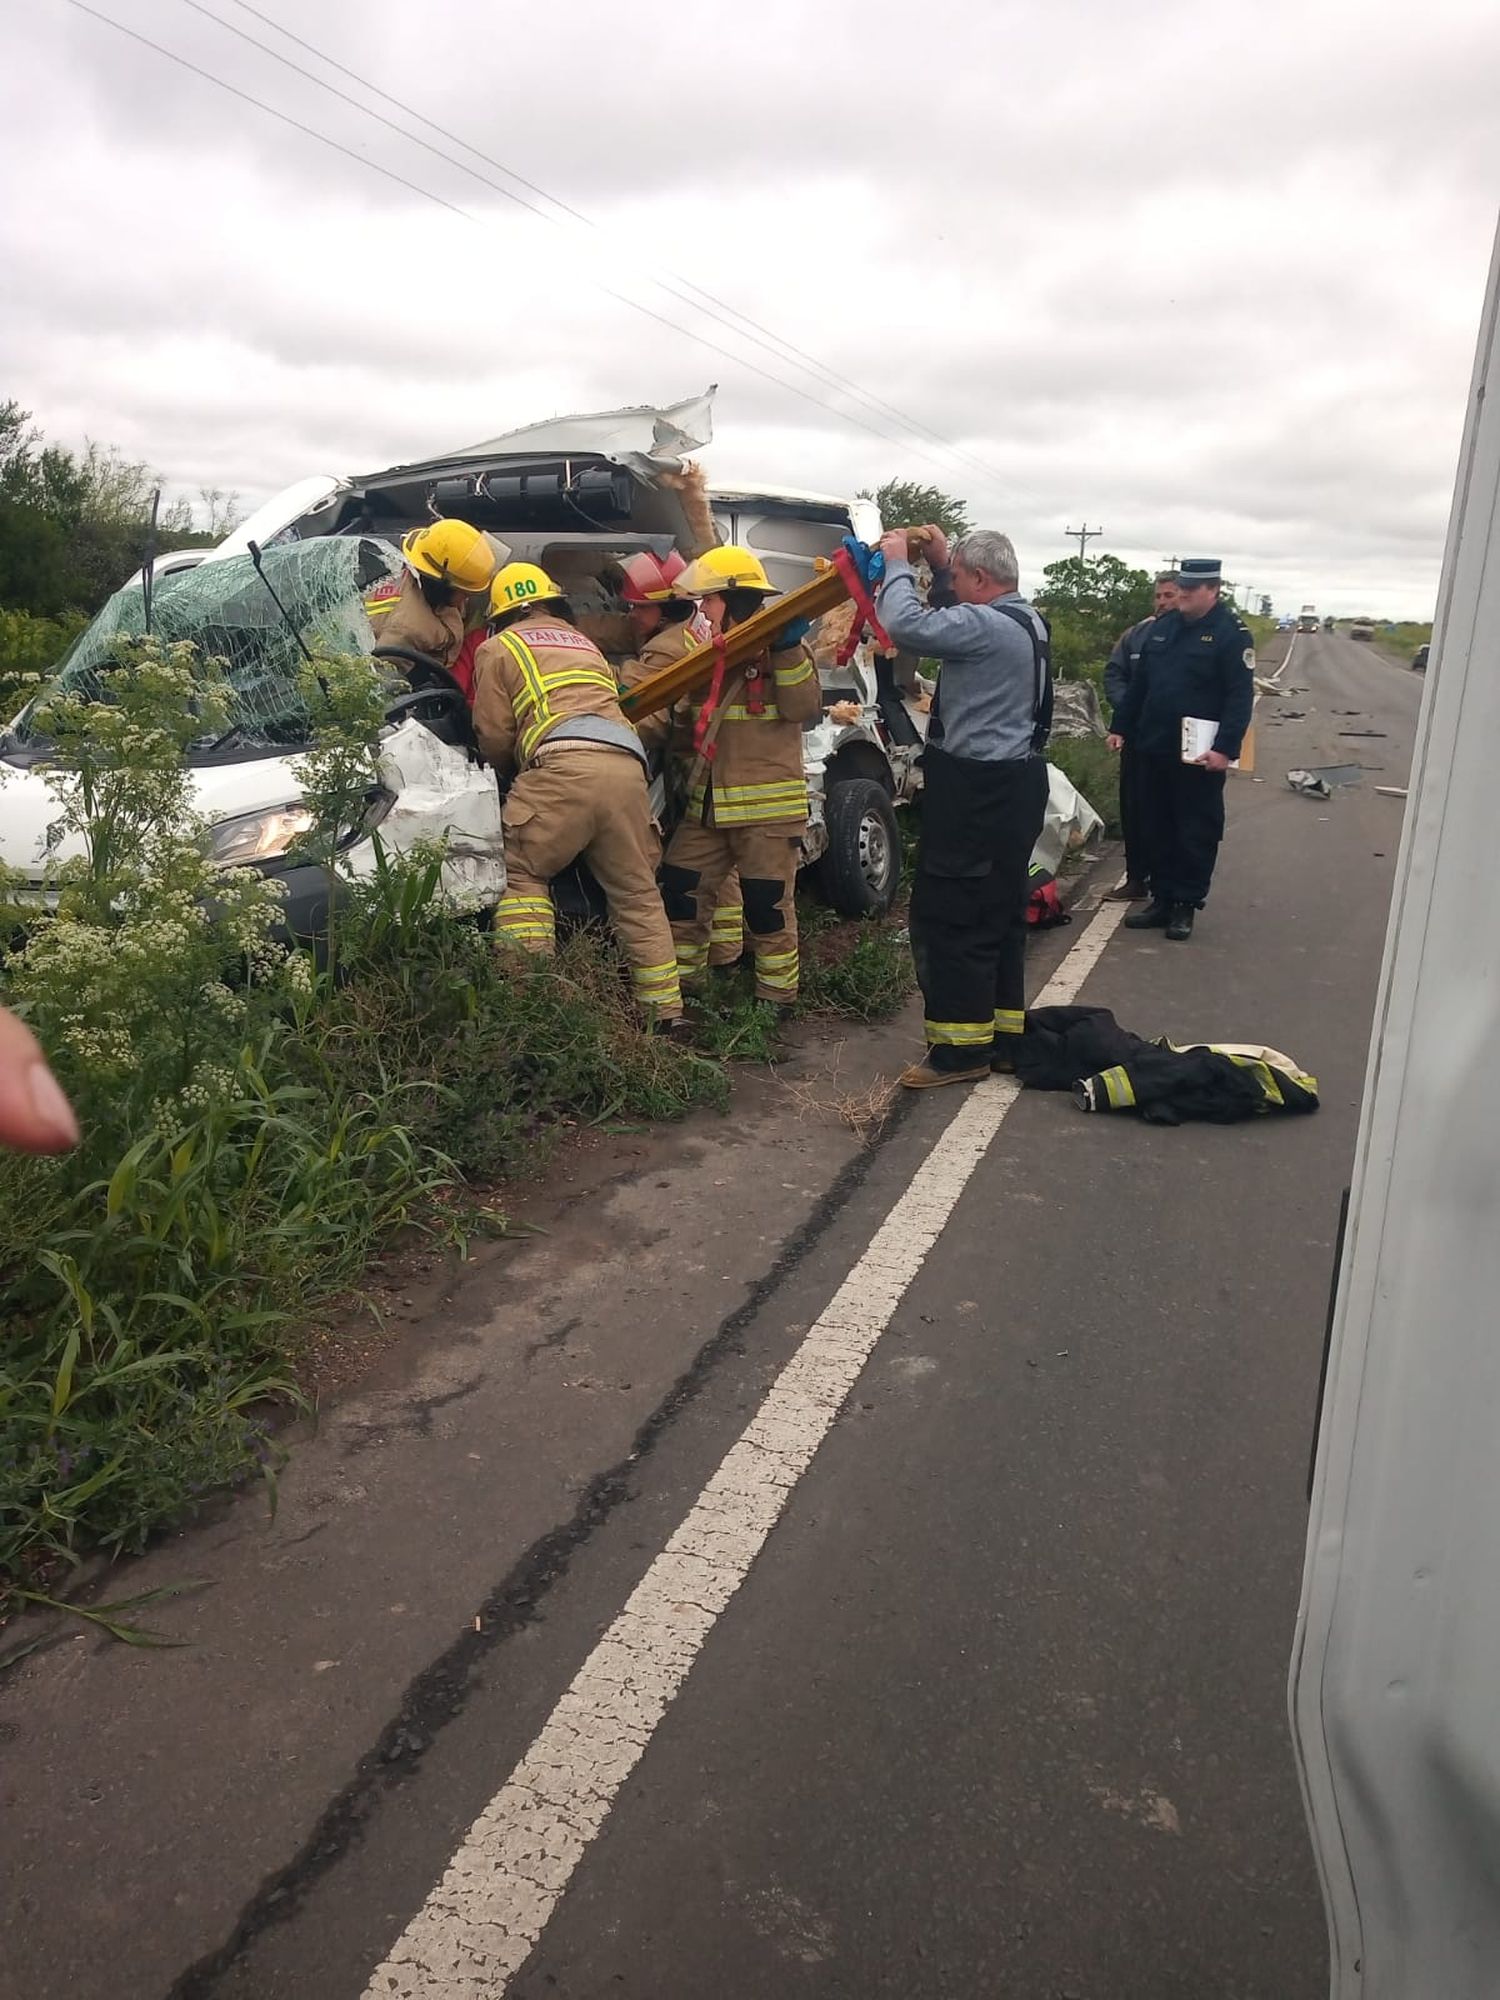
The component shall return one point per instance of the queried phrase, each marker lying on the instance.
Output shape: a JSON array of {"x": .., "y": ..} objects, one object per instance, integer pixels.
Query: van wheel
[{"x": 860, "y": 870}]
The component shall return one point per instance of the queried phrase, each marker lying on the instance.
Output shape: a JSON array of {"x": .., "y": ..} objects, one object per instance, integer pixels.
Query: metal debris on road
[
  {"x": 1308, "y": 785},
  {"x": 1391, "y": 791},
  {"x": 1361, "y": 732}
]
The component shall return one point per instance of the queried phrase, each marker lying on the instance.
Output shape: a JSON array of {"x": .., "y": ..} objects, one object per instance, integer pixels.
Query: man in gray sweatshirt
[{"x": 984, "y": 794}]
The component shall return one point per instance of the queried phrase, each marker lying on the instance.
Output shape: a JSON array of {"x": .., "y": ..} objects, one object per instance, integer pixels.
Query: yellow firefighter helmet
[
  {"x": 452, "y": 551},
  {"x": 726, "y": 568},
  {"x": 519, "y": 585}
]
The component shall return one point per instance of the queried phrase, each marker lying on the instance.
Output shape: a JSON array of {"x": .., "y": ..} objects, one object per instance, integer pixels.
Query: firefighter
[
  {"x": 546, "y": 705},
  {"x": 747, "y": 802},
  {"x": 665, "y": 627},
  {"x": 446, "y": 562}
]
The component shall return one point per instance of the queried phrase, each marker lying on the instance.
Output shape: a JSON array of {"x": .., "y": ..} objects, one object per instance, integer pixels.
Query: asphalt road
[{"x": 998, "y": 1706}]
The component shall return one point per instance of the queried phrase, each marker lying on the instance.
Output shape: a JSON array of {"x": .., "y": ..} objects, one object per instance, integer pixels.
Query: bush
[
  {"x": 1095, "y": 769},
  {"x": 30, "y": 649},
  {"x": 254, "y": 1129}
]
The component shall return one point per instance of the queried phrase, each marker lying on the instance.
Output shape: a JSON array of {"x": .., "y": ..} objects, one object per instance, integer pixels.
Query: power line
[
  {"x": 453, "y": 208},
  {"x": 680, "y": 286}
]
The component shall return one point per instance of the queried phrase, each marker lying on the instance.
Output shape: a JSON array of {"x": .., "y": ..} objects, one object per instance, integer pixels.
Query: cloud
[{"x": 1209, "y": 276}]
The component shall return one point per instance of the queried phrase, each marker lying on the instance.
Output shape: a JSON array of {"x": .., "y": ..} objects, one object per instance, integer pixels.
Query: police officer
[
  {"x": 1118, "y": 671},
  {"x": 984, "y": 794},
  {"x": 1198, "y": 661}
]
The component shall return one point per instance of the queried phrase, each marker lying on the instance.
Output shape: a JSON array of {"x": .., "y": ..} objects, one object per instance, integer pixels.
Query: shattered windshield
[{"x": 227, "y": 611}]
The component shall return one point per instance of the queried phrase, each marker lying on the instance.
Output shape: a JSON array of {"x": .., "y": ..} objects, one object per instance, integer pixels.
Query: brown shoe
[
  {"x": 922, "y": 1075},
  {"x": 1128, "y": 891}
]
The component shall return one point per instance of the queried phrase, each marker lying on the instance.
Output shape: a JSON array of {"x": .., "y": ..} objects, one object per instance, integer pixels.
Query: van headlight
[{"x": 272, "y": 832}]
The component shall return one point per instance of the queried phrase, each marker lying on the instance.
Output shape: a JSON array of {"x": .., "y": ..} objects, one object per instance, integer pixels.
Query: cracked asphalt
[{"x": 999, "y": 1708}]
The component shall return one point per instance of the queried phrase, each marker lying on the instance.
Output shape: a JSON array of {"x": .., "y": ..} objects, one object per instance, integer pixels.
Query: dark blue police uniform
[{"x": 1200, "y": 667}]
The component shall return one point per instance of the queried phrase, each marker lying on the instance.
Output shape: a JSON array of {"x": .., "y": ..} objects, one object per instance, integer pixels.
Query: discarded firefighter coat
[{"x": 1107, "y": 1068}]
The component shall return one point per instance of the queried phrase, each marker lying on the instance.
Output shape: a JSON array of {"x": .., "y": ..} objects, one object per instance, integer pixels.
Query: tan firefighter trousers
[
  {"x": 699, "y": 861},
  {"x": 590, "y": 802}
]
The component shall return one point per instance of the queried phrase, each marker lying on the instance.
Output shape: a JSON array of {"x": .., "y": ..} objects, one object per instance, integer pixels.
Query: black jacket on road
[{"x": 1203, "y": 669}]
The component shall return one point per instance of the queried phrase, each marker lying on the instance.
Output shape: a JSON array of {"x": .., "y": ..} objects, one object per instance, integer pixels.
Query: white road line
[
  {"x": 1291, "y": 646},
  {"x": 483, "y": 1919}
]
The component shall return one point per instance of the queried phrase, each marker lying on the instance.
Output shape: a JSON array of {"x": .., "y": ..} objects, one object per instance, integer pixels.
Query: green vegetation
[
  {"x": 1095, "y": 770},
  {"x": 1088, "y": 603},
  {"x": 30, "y": 647},
  {"x": 255, "y": 1127},
  {"x": 1399, "y": 642}
]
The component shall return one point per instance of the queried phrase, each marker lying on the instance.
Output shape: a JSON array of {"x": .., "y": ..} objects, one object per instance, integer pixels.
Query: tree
[
  {"x": 1089, "y": 601},
  {"x": 73, "y": 528},
  {"x": 219, "y": 513},
  {"x": 904, "y": 504}
]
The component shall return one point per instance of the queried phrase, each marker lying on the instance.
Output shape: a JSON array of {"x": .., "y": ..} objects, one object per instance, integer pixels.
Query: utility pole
[{"x": 1083, "y": 536}]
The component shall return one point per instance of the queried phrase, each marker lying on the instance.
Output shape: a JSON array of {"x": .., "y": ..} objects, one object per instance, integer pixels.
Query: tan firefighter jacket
[
  {"x": 542, "y": 683},
  {"x": 404, "y": 618},
  {"x": 669, "y": 726},
  {"x": 756, "y": 777}
]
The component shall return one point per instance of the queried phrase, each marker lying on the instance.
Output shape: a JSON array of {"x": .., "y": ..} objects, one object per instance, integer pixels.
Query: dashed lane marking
[{"x": 486, "y": 1915}]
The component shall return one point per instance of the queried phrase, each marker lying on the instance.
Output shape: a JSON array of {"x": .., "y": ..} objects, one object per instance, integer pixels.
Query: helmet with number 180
[{"x": 518, "y": 585}]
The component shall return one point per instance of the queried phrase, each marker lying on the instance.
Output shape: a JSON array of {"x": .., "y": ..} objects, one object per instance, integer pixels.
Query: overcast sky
[{"x": 1206, "y": 275}]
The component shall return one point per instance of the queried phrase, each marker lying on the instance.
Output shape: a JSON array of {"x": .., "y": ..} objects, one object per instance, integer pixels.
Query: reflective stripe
[
  {"x": 657, "y": 985},
  {"x": 1010, "y": 1020},
  {"x": 691, "y": 960},
  {"x": 778, "y": 970},
  {"x": 787, "y": 677},
  {"x": 526, "y": 919},
  {"x": 729, "y": 924},
  {"x": 533, "y": 706},
  {"x": 737, "y": 713},
  {"x": 1118, "y": 1088},
  {"x": 960, "y": 1034},
  {"x": 742, "y": 805}
]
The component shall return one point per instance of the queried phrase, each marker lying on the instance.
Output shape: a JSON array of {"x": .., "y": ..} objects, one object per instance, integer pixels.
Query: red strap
[
  {"x": 864, "y": 609},
  {"x": 708, "y": 751},
  {"x": 755, "y": 691}
]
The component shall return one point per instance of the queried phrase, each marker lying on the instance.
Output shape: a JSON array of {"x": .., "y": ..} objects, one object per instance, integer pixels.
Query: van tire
[{"x": 859, "y": 871}]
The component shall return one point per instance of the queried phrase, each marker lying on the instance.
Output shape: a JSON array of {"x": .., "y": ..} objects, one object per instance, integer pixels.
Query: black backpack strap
[{"x": 1041, "y": 651}]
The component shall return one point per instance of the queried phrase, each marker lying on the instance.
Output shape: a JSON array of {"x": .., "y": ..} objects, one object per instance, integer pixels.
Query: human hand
[
  {"x": 936, "y": 546},
  {"x": 1115, "y": 742},
  {"x": 1214, "y": 760},
  {"x": 893, "y": 546},
  {"x": 35, "y": 1117}
]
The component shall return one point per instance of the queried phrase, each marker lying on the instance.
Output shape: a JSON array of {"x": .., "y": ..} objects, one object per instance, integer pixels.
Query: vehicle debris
[
  {"x": 1391, "y": 791},
  {"x": 1362, "y": 732}
]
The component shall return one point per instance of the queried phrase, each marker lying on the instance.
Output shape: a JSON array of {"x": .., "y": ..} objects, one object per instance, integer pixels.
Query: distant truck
[{"x": 1308, "y": 621}]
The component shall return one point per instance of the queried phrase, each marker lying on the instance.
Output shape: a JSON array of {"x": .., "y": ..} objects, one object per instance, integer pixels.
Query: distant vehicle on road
[
  {"x": 1419, "y": 660},
  {"x": 1285, "y": 624},
  {"x": 1328, "y": 624},
  {"x": 1308, "y": 622},
  {"x": 1361, "y": 631}
]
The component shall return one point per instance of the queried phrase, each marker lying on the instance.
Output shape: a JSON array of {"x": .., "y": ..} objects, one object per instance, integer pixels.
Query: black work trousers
[
  {"x": 1132, "y": 829},
  {"x": 1182, "y": 819},
  {"x": 980, "y": 822}
]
